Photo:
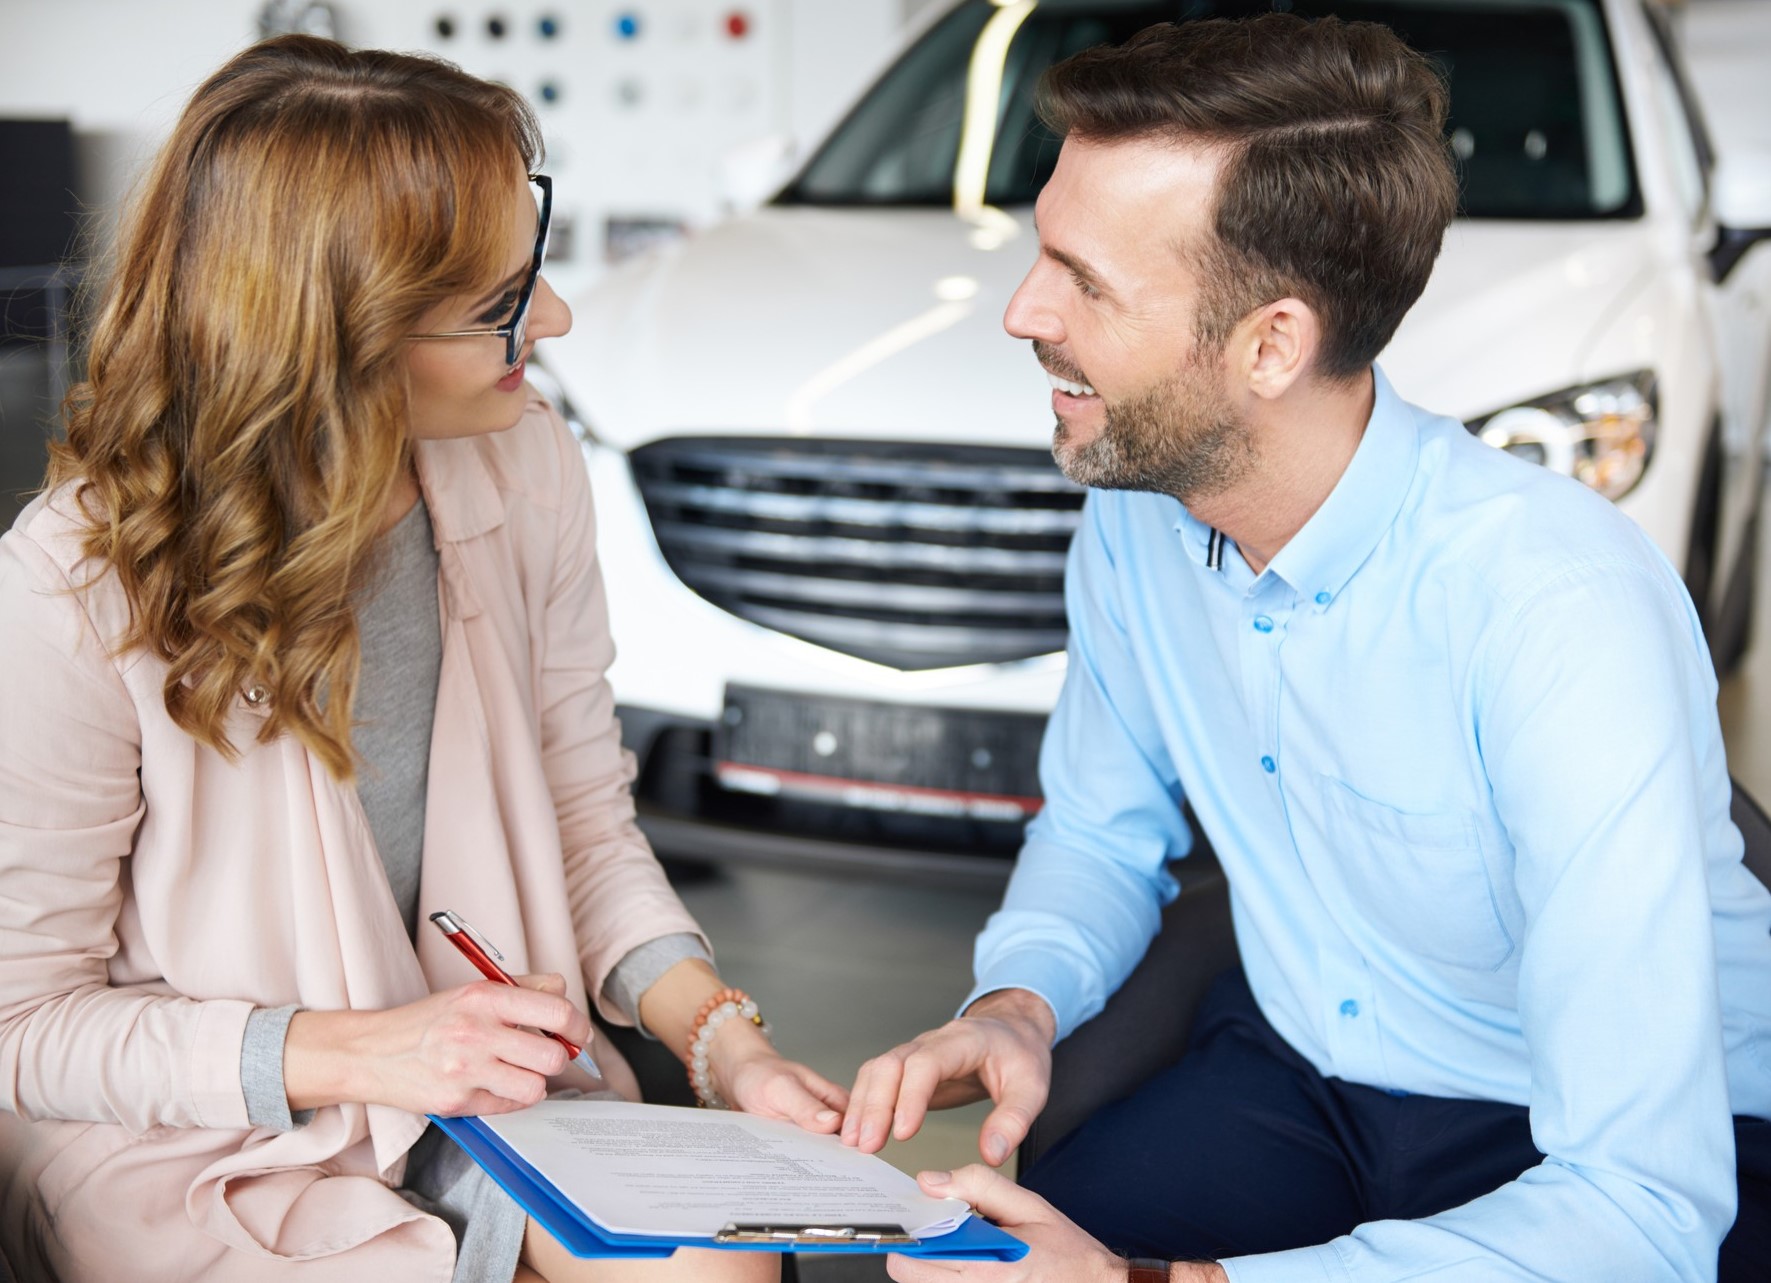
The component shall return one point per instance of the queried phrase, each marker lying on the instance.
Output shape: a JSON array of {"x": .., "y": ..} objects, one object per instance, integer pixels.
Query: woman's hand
[
  {"x": 747, "y": 1070},
  {"x": 468, "y": 1050},
  {"x": 757, "y": 1079}
]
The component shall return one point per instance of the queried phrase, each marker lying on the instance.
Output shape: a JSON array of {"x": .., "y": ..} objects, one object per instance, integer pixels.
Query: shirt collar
[
  {"x": 458, "y": 488},
  {"x": 1337, "y": 539}
]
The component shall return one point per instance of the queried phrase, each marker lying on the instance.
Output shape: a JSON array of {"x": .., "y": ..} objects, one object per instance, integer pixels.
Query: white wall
[{"x": 639, "y": 128}]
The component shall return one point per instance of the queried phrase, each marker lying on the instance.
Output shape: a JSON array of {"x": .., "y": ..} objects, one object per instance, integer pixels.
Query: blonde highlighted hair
[{"x": 243, "y": 424}]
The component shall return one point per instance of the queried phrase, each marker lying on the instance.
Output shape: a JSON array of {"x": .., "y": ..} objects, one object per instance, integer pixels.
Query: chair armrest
[{"x": 1144, "y": 1026}]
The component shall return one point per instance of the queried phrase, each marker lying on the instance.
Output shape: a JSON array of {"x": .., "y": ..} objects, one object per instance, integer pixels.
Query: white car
[{"x": 831, "y": 529}]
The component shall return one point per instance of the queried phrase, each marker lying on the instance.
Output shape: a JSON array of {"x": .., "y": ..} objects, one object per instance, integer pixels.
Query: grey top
[
  {"x": 399, "y": 623},
  {"x": 401, "y": 635}
]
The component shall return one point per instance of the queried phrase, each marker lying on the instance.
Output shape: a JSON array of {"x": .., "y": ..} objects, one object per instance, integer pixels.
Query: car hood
[{"x": 846, "y": 323}]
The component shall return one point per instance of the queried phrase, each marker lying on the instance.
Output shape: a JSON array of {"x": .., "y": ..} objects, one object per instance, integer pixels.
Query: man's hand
[
  {"x": 1000, "y": 1048},
  {"x": 1061, "y": 1252}
]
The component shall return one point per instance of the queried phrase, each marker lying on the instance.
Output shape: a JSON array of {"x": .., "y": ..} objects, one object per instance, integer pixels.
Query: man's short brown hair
[{"x": 1337, "y": 184}]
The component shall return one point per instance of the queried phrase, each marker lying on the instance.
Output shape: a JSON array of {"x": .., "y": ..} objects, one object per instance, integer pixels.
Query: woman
[{"x": 305, "y": 641}]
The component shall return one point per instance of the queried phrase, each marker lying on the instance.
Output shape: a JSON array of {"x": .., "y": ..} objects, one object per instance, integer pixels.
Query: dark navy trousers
[{"x": 1242, "y": 1147}]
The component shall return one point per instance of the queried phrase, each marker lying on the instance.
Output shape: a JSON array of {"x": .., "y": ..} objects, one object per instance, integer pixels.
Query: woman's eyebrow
[{"x": 498, "y": 290}]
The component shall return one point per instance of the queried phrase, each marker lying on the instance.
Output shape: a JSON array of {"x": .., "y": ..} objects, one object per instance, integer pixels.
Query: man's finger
[
  {"x": 871, "y": 1102},
  {"x": 923, "y": 1076},
  {"x": 1005, "y": 1127},
  {"x": 990, "y": 1193}
]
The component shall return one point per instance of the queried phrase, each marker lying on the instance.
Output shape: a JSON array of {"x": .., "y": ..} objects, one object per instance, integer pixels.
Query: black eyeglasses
[{"x": 514, "y": 330}]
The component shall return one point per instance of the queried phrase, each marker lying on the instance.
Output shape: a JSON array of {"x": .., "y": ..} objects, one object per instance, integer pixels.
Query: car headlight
[{"x": 1600, "y": 433}]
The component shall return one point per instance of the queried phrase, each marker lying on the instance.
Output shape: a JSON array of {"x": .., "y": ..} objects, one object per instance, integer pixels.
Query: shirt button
[
  {"x": 1262, "y": 624},
  {"x": 1269, "y": 765},
  {"x": 1349, "y": 1008},
  {"x": 1322, "y": 598}
]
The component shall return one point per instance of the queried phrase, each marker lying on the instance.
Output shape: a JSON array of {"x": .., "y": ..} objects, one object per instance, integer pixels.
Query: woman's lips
[{"x": 514, "y": 380}]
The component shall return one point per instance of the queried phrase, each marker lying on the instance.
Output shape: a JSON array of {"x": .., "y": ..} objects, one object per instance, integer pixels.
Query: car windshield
[{"x": 1536, "y": 122}]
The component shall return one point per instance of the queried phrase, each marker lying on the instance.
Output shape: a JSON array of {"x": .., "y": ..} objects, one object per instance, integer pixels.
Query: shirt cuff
[
  {"x": 641, "y": 967},
  {"x": 261, "y": 1070},
  {"x": 1299, "y": 1265},
  {"x": 1051, "y": 978}
]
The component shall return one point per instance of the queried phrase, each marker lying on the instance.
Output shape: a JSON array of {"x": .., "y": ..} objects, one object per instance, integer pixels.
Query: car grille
[{"x": 916, "y": 556}]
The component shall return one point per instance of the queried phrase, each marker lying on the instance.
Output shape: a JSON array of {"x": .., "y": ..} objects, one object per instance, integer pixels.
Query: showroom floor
[{"x": 845, "y": 967}]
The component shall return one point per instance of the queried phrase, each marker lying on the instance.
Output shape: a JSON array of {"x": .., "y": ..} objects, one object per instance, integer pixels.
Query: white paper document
[{"x": 682, "y": 1173}]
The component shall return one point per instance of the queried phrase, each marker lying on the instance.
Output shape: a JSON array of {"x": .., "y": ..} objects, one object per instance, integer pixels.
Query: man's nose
[{"x": 1028, "y": 315}]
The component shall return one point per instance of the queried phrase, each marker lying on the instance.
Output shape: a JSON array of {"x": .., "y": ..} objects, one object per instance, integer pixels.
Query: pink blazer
[{"x": 152, "y": 893}]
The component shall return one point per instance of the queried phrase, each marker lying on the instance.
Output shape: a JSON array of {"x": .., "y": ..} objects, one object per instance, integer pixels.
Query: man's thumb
[{"x": 990, "y": 1193}]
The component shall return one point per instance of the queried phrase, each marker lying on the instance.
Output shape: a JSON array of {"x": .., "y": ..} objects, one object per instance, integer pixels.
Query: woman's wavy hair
[{"x": 243, "y": 424}]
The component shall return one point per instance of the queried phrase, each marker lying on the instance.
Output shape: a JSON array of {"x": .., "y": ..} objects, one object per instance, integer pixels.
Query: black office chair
[{"x": 1144, "y": 1026}]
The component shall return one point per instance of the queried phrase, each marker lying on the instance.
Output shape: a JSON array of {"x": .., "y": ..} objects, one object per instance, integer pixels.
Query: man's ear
[{"x": 1277, "y": 344}]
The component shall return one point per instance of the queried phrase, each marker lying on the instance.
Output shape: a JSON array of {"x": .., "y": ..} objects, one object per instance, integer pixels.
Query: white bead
[
  {"x": 698, "y": 1047},
  {"x": 728, "y": 1009},
  {"x": 717, "y": 1019},
  {"x": 748, "y": 1010},
  {"x": 699, "y": 1064}
]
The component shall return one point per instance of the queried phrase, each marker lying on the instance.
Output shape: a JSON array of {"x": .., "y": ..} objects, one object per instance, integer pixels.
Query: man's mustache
[{"x": 1053, "y": 360}]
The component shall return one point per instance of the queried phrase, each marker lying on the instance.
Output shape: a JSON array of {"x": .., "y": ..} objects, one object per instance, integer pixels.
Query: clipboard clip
[{"x": 814, "y": 1235}]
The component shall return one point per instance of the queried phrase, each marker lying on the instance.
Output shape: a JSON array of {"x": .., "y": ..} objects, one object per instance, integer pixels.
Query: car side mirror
[
  {"x": 752, "y": 172},
  {"x": 1740, "y": 196}
]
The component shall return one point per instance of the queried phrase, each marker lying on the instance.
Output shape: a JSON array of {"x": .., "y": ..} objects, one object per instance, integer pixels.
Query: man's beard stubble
[{"x": 1180, "y": 438}]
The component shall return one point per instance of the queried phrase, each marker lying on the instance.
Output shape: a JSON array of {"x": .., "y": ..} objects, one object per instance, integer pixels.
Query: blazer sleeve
[
  {"x": 72, "y": 1046},
  {"x": 619, "y": 896}
]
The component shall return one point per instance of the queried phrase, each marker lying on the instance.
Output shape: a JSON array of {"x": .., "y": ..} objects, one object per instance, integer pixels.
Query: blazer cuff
[{"x": 217, "y": 1096}]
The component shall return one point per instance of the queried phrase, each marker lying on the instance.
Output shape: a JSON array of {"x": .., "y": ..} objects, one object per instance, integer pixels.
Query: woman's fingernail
[
  {"x": 936, "y": 1178},
  {"x": 997, "y": 1148},
  {"x": 827, "y": 1116}
]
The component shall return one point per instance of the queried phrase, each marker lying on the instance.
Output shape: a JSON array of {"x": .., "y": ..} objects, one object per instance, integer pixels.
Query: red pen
[{"x": 481, "y": 952}]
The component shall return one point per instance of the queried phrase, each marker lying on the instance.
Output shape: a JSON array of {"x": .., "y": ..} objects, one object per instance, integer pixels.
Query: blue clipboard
[{"x": 976, "y": 1239}]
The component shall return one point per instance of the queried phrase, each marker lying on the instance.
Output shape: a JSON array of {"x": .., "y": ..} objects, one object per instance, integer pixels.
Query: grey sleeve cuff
[
  {"x": 640, "y": 968},
  {"x": 261, "y": 1070}
]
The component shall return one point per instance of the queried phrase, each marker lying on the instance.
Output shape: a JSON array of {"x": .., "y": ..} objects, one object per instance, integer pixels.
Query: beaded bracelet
[{"x": 727, "y": 1004}]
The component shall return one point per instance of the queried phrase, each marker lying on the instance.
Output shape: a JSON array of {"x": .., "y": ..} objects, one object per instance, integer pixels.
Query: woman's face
[{"x": 461, "y": 387}]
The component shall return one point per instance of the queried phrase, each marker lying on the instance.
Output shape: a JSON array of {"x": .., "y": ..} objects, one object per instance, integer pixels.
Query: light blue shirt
[{"x": 1457, "y": 751}]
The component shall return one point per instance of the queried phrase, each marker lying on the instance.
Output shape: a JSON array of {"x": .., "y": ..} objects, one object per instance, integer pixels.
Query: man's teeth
[{"x": 1065, "y": 385}]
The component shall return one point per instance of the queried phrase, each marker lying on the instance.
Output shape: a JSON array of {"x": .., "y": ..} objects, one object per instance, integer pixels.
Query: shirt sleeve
[
  {"x": 261, "y": 1071},
  {"x": 1597, "y": 723},
  {"x": 1086, "y": 896},
  {"x": 72, "y": 1045},
  {"x": 642, "y": 967}
]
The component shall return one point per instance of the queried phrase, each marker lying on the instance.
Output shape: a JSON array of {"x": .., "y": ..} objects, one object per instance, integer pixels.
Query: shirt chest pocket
[{"x": 1419, "y": 879}]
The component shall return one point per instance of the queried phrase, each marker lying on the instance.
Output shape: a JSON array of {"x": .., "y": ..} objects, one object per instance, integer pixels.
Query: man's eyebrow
[{"x": 1075, "y": 264}]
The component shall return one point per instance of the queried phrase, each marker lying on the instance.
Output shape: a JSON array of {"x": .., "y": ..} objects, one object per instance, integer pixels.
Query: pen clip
[{"x": 450, "y": 921}]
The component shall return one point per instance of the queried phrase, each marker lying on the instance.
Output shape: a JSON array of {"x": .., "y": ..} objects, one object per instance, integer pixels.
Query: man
[{"x": 1447, "y": 719}]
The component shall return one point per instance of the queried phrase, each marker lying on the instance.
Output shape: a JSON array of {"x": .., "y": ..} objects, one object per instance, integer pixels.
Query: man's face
[{"x": 1111, "y": 307}]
